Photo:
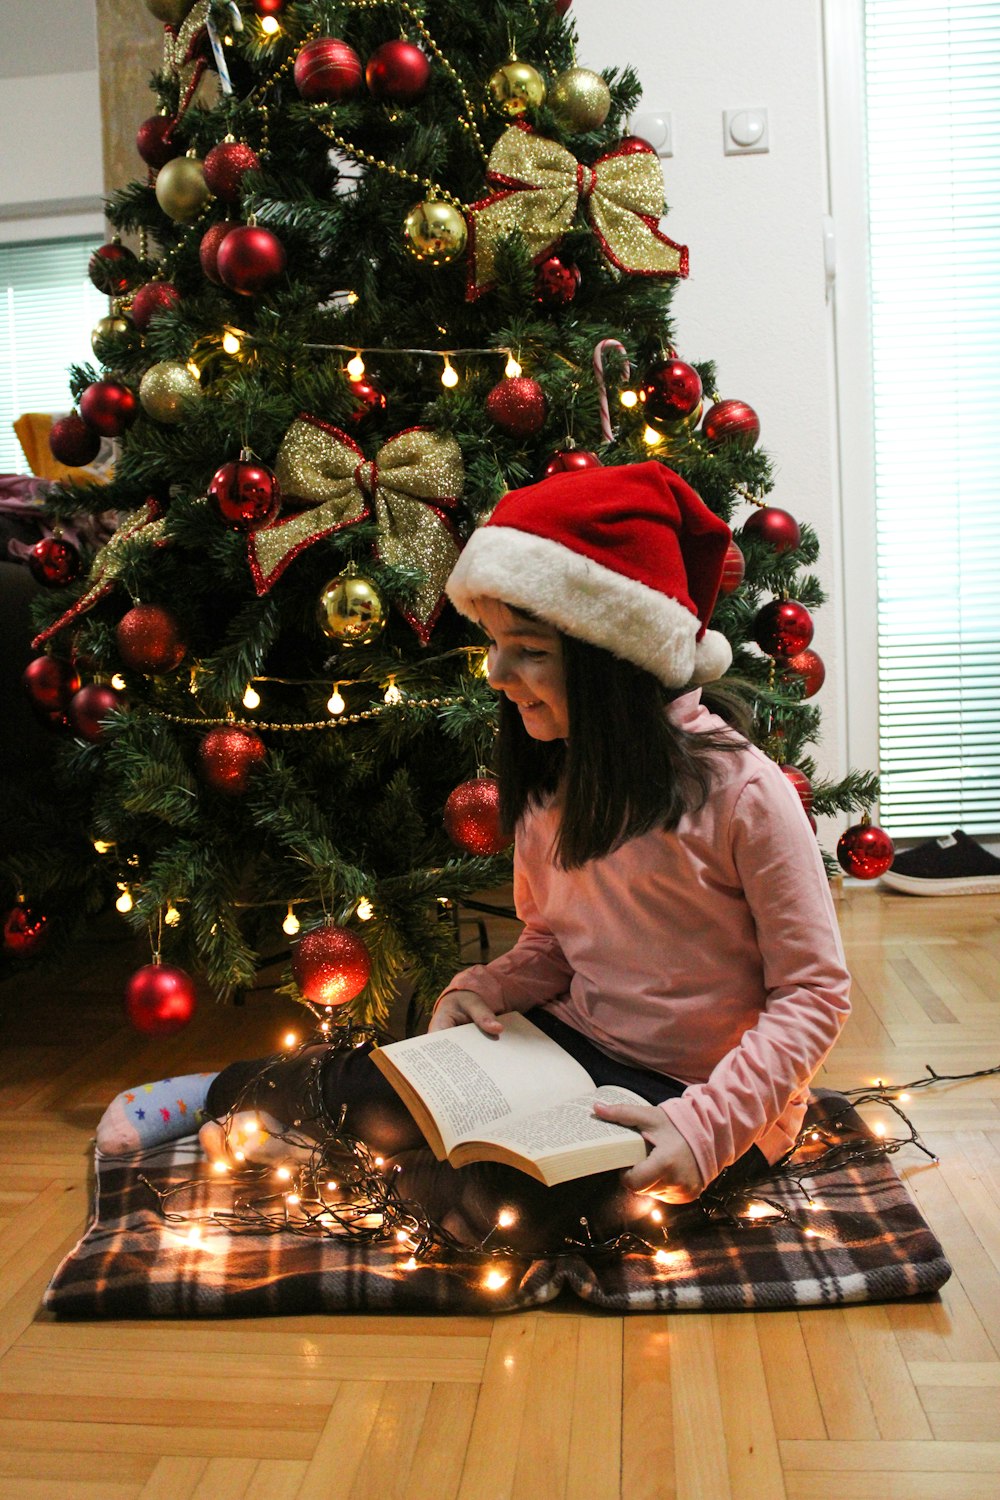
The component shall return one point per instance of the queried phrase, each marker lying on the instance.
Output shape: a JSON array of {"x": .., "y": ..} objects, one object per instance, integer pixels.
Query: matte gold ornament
[
  {"x": 112, "y": 328},
  {"x": 435, "y": 231},
  {"x": 181, "y": 190},
  {"x": 170, "y": 12},
  {"x": 580, "y": 99},
  {"x": 351, "y": 611},
  {"x": 515, "y": 88},
  {"x": 168, "y": 391}
]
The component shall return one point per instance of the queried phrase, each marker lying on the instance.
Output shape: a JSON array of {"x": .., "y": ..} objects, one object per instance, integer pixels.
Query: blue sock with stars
[{"x": 151, "y": 1113}]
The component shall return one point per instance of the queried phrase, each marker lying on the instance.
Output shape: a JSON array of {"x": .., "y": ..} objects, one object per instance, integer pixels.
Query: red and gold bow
[
  {"x": 148, "y": 523},
  {"x": 540, "y": 187},
  {"x": 414, "y": 479},
  {"x": 185, "y": 52}
]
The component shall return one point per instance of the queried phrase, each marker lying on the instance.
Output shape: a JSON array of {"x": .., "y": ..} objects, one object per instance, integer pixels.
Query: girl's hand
[
  {"x": 459, "y": 1006},
  {"x": 670, "y": 1171}
]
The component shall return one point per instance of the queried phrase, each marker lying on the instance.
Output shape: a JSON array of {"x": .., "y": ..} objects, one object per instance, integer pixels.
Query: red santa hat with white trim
[{"x": 628, "y": 558}]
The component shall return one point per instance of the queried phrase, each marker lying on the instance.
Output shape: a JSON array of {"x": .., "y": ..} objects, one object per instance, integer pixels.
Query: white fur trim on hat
[{"x": 583, "y": 599}]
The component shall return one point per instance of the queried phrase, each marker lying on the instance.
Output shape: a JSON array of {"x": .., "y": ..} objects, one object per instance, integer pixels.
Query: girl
[{"x": 678, "y": 932}]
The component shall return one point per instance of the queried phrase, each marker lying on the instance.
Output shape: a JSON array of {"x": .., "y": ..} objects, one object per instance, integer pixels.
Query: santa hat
[{"x": 627, "y": 558}]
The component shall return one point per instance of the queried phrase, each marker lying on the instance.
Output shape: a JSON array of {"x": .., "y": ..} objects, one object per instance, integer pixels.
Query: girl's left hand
[{"x": 670, "y": 1171}]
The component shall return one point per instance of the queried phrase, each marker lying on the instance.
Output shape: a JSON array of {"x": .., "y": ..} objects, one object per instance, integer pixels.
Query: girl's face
[{"x": 525, "y": 663}]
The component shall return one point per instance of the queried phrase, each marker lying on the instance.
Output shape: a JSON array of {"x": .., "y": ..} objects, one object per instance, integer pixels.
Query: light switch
[
  {"x": 745, "y": 131},
  {"x": 656, "y": 127}
]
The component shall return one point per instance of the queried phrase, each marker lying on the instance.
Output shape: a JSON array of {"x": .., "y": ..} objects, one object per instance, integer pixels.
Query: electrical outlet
[{"x": 745, "y": 131}]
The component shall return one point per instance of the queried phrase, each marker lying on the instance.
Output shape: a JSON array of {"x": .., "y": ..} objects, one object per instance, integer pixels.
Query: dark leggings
[{"x": 466, "y": 1200}]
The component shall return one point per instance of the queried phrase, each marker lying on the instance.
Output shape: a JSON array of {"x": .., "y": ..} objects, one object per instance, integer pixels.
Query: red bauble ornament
[
  {"x": 671, "y": 390},
  {"x": 865, "y": 851},
  {"x": 50, "y": 683},
  {"x": 160, "y": 999},
  {"x": 248, "y": 259},
  {"x": 556, "y": 282},
  {"x": 571, "y": 461},
  {"x": 517, "y": 406},
  {"x": 109, "y": 407},
  {"x": 776, "y": 527},
  {"x": 53, "y": 562},
  {"x": 368, "y": 400},
  {"x": 732, "y": 422},
  {"x": 72, "y": 442},
  {"x": 224, "y": 167},
  {"x": 227, "y": 756},
  {"x": 268, "y": 7},
  {"x": 24, "y": 931},
  {"x": 113, "y": 269},
  {"x": 398, "y": 71},
  {"x": 331, "y": 966},
  {"x": 733, "y": 568},
  {"x": 90, "y": 706},
  {"x": 208, "y": 250},
  {"x": 327, "y": 71},
  {"x": 800, "y": 781},
  {"x": 155, "y": 297},
  {"x": 783, "y": 628},
  {"x": 561, "y": 6},
  {"x": 245, "y": 494},
  {"x": 472, "y": 817},
  {"x": 149, "y": 639},
  {"x": 809, "y": 667},
  {"x": 155, "y": 143},
  {"x": 630, "y": 144}
]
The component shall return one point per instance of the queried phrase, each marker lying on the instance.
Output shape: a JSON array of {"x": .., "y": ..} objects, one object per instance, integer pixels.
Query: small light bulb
[
  {"x": 251, "y": 1126},
  {"x": 230, "y": 342},
  {"x": 629, "y": 398},
  {"x": 193, "y": 369},
  {"x": 364, "y": 911},
  {"x": 283, "y": 1174},
  {"x": 511, "y": 369},
  {"x": 291, "y": 924},
  {"x": 356, "y": 366},
  {"x": 118, "y": 682},
  {"x": 251, "y": 698},
  {"x": 494, "y": 1280},
  {"x": 220, "y": 1167},
  {"x": 663, "y": 1257},
  {"x": 506, "y": 1217},
  {"x": 401, "y": 1236},
  {"x": 124, "y": 902},
  {"x": 194, "y": 1237},
  {"x": 449, "y": 375},
  {"x": 239, "y": 1155},
  {"x": 656, "y": 1214},
  {"x": 904, "y": 1098},
  {"x": 352, "y": 297},
  {"x": 290, "y": 1039},
  {"x": 335, "y": 702},
  {"x": 879, "y": 1128},
  {"x": 652, "y": 438},
  {"x": 380, "y": 1161},
  {"x": 227, "y": 41},
  {"x": 392, "y": 693},
  {"x": 292, "y": 1199},
  {"x": 270, "y": 25},
  {"x": 171, "y": 916},
  {"x": 331, "y": 1187},
  {"x": 411, "y": 1264},
  {"x": 102, "y": 846}
]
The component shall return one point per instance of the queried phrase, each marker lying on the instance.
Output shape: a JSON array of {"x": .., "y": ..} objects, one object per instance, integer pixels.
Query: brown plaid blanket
[{"x": 863, "y": 1240}]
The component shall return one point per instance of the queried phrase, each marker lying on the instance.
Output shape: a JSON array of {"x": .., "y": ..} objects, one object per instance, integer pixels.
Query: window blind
[
  {"x": 48, "y": 313},
  {"x": 933, "y": 146}
]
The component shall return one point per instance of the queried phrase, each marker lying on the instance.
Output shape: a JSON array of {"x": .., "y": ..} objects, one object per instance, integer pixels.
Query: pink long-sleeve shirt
[{"x": 710, "y": 953}]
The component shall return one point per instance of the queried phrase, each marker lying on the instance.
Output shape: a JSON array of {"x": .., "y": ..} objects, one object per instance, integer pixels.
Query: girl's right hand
[{"x": 459, "y": 1006}]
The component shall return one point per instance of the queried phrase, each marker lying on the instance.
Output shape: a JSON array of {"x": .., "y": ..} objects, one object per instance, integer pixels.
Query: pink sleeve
[
  {"x": 533, "y": 971},
  {"x": 807, "y": 983}
]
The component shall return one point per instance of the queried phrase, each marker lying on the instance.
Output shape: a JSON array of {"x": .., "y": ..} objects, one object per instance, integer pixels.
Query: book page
[
  {"x": 468, "y": 1080},
  {"x": 569, "y": 1126}
]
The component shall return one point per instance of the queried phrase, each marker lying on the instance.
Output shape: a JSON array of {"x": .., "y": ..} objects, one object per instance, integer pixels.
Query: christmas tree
[{"x": 390, "y": 260}]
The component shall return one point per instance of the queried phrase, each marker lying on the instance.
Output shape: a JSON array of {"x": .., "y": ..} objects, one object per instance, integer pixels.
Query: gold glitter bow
[
  {"x": 184, "y": 52},
  {"x": 412, "y": 481},
  {"x": 146, "y": 522},
  {"x": 540, "y": 186}
]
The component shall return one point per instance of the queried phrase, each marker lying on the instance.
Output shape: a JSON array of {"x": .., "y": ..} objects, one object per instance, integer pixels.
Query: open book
[{"x": 518, "y": 1098}]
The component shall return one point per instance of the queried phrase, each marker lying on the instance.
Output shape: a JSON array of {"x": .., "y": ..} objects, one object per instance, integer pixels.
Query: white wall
[{"x": 50, "y": 168}]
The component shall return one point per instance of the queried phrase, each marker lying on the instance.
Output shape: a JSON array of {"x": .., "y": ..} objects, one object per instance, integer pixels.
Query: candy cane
[{"x": 599, "y": 349}]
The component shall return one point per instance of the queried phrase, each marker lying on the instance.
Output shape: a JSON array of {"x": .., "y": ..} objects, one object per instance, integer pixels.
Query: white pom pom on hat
[{"x": 628, "y": 558}]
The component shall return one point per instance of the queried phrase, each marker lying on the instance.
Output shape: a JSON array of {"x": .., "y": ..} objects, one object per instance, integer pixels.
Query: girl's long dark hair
[{"x": 624, "y": 769}]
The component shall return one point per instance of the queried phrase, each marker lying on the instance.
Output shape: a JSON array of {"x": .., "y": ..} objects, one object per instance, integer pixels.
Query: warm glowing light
[
  {"x": 193, "y": 369},
  {"x": 194, "y": 1236},
  {"x": 171, "y": 916},
  {"x": 401, "y": 1236},
  {"x": 449, "y": 375},
  {"x": 270, "y": 25},
  {"x": 506, "y": 1217},
  {"x": 118, "y": 682},
  {"x": 335, "y": 703},
  {"x": 291, "y": 924},
  {"x": 220, "y": 1167},
  {"x": 904, "y": 1098},
  {"x": 652, "y": 438},
  {"x": 290, "y": 1039},
  {"x": 231, "y": 342},
  {"x": 879, "y": 1128},
  {"x": 629, "y": 398},
  {"x": 494, "y": 1280},
  {"x": 380, "y": 1161},
  {"x": 125, "y": 902},
  {"x": 656, "y": 1214},
  {"x": 364, "y": 910},
  {"x": 251, "y": 1126},
  {"x": 352, "y": 297},
  {"x": 251, "y": 698},
  {"x": 331, "y": 1187},
  {"x": 760, "y": 1211},
  {"x": 815, "y": 1136},
  {"x": 292, "y": 1198},
  {"x": 356, "y": 366},
  {"x": 283, "y": 1174},
  {"x": 664, "y": 1257},
  {"x": 240, "y": 1155},
  {"x": 411, "y": 1264},
  {"x": 512, "y": 369},
  {"x": 324, "y": 1026},
  {"x": 392, "y": 693},
  {"x": 102, "y": 846}
]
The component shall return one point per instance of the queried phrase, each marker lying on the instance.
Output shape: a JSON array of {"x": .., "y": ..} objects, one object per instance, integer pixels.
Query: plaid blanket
[{"x": 862, "y": 1240}]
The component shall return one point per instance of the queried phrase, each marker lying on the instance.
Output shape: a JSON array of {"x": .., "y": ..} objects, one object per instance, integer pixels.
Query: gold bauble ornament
[
  {"x": 170, "y": 12},
  {"x": 435, "y": 231},
  {"x": 515, "y": 88},
  {"x": 168, "y": 391},
  {"x": 112, "y": 328},
  {"x": 351, "y": 610},
  {"x": 181, "y": 190},
  {"x": 580, "y": 100}
]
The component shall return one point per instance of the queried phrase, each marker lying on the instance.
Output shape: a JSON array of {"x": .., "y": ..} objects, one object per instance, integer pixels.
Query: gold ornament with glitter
[
  {"x": 580, "y": 99},
  {"x": 168, "y": 391}
]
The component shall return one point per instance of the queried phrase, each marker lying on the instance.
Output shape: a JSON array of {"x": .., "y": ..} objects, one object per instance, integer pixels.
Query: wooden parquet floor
[{"x": 872, "y": 1403}]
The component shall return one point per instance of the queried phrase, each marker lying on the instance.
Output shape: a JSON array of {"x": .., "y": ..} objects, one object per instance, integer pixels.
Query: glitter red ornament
[
  {"x": 24, "y": 930},
  {"x": 331, "y": 965},
  {"x": 556, "y": 282},
  {"x": 368, "y": 400},
  {"x": 90, "y": 707},
  {"x": 399, "y": 72},
  {"x": 733, "y": 568},
  {"x": 865, "y": 851},
  {"x": 327, "y": 71},
  {"x": 160, "y": 999},
  {"x": 149, "y": 640},
  {"x": 225, "y": 166},
  {"x": 776, "y": 527},
  {"x": 249, "y": 259},
  {"x": 800, "y": 781},
  {"x": 113, "y": 269},
  {"x": 671, "y": 391},
  {"x": 155, "y": 142},
  {"x": 208, "y": 250},
  {"x": 472, "y": 817},
  {"x": 53, "y": 562},
  {"x": 72, "y": 442},
  {"x": 571, "y": 461},
  {"x": 50, "y": 683},
  {"x": 246, "y": 494},
  {"x": 227, "y": 757},
  {"x": 109, "y": 407},
  {"x": 783, "y": 628},
  {"x": 731, "y": 422},
  {"x": 809, "y": 668},
  {"x": 517, "y": 406},
  {"x": 153, "y": 298}
]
